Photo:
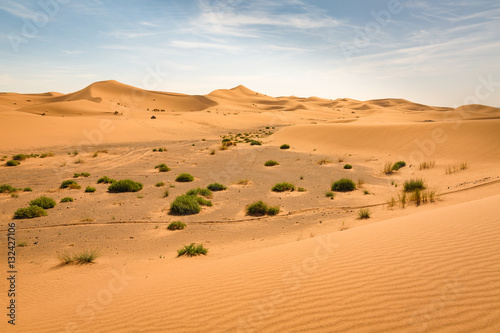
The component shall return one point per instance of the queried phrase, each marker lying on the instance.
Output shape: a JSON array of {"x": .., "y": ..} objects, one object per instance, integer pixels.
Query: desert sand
[{"x": 314, "y": 267}]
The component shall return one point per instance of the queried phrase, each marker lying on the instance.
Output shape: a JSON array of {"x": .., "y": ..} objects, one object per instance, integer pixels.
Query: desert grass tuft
[
  {"x": 176, "y": 225},
  {"x": 364, "y": 214},
  {"x": 259, "y": 208},
  {"x": 282, "y": 187},
  {"x": 215, "y": 187},
  {"x": 192, "y": 250},
  {"x": 324, "y": 161},
  {"x": 343, "y": 185},
  {"x": 84, "y": 257},
  {"x": 414, "y": 184},
  {"x": 427, "y": 165}
]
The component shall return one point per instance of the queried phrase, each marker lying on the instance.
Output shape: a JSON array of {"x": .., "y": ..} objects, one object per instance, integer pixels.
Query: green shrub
[
  {"x": 184, "y": 178},
  {"x": 271, "y": 163},
  {"x": 67, "y": 199},
  {"x": 255, "y": 143},
  {"x": 69, "y": 183},
  {"x": 192, "y": 250},
  {"x": 347, "y": 166},
  {"x": 20, "y": 157},
  {"x": 7, "y": 189},
  {"x": 85, "y": 174},
  {"x": 301, "y": 189},
  {"x": 176, "y": 225},
  {"x": 76, "y": 175},
  {"x": 203, "y": 202},
  {"x": 398, "y": 165},
  {"x": 44, "y": 202},
  {"x": 259, "y": 208},
  {"x": 282, "y": 187},
  {"x": 343, "y": 185},
  {"x": 12, "y": 163},
  {"x": 27, "y": 189},
  {"x": 284, "y": 146},
  {"x": 215, "y": 187},
  {"x": 125, "y": 185},
  {"x": 273, "y": 210},
  {"x": 330, "y": 195},
  {"x": 90, "y": 189},
  {"x": 200, "y": 191},
  {"x": 105, "y": 180},
  {"x": 30, "y": 212},
  {"x": 364, "y": 214},
  {"x": 414, "y": 184},
  {"x": 160, "y": 184},
  {"x": 162, "y": 167},
  {"x": 185, "y": 205}
]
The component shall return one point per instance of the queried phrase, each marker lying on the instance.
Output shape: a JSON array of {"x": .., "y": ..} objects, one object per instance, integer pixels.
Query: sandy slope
[{"x": 428, "y": 268}]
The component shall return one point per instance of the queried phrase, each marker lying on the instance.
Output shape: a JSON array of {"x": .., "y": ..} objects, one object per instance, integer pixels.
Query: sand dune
[{"x": 411, "y": 267}]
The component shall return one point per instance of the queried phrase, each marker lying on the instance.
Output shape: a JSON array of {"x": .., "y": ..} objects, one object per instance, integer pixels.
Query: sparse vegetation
[
  {"x": 49, "y": 154},
  {"x": 414, "y": 184},
  {"x": 200, "y": 191},
  {"x": 67, "y": 199},
  {"x": 84, "y": 257},
  {"x": 160, "y": 184},
  {"x": 30, "y": 212},
  {"x": 125, "y": 185},
  {"x": 105, "y": 180},
  {"x": 330, "y": 194},
  {"x": 12, "y": 163},
  {"x": 343, "y": 185},
  {"x": 255, "y": 143},
  {"x": 259, "y": 208},
  {"x": 162, "y": 167},
  {"x": 455, "y": 168},
  {"x": 364, "y": 214},
  {"x": 366, "y": 192},
  {"x": 398, "y": 165},
  {"x": 185, "y": 205},
  {"x": 215, "y": 187},
  {"x": 27, "y": 189},
  {"x": 7, "y": 189},
  {"x": 340, "y": 158},
  {"x": 347, "y": 166},
  {"x": 90, "y": 189},
  {"x": 22, "y": 243},
  {"x": 176, "y": 225},
  {"x": 166, "y": 193},
  {"x": 324, "y": 161},
  {"x": 427, "y": 165},
  {"x": 192, "y": 250},
  {"x": 285, "y": 146},
  {"x": 301, "y": 189},
  {"x": 20, "y": 157},
  {"x": 243, "y": 182},
  {"x": 71, "y": 184},
  {"x": 282, "y": 187},
  {"x": 184, "y": 178},
  {"x": 271, "y": 163},
  {"x": 43, "y": 202}
]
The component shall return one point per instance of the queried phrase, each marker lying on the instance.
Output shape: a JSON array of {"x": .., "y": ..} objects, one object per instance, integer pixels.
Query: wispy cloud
[
  {"x": 203, "y": 45},
  {"x": 16, "y": 9}
]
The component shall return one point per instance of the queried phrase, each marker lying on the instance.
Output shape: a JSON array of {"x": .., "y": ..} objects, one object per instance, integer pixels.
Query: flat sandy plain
[{"x": 315, "y": 267}]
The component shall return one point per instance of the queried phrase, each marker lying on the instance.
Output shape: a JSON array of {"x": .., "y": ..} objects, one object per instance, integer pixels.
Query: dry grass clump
[
  {"x": 456, "y": 167},
  {"x": 427, "y": 165}
]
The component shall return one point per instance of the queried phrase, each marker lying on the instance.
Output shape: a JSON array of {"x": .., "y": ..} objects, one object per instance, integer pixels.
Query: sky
[{"x": 442, "y": 53}]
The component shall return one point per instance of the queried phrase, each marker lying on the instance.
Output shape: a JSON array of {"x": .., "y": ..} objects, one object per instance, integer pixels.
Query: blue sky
[{"x": 434, "y": 52}]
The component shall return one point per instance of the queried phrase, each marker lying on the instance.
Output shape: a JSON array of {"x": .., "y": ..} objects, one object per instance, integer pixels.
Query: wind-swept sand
[{"x": 426, "y": 268}]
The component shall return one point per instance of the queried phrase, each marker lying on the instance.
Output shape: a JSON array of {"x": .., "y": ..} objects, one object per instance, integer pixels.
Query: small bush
[
  {"x": 85, "y": 257},
  {"x": 184, "y": 178},
  {"x": 259, "y": 208},
  {"x": 12, "y": 163},
  {"x": 330, "y": 194},
  {"x": 364, "y": 214},
  {"x": 273, "y": 211},
  {"x": 414, "y": 184},
  {"x": 388, "y": 168},
  {"x": 30, "y": 212},
  {"x": 347, "y": 166},
  {"x": 76, "y": 175},
  {"x": 285, "y": 146},
  {"x": 200, "y": 191},
  {"x": 7, "y": 189},
  {"x": 271, "y": 163},
  {"x": 301, "y": 189},
  {"x": 90, "y": 189},
  {"x": 69, "y": 184},
  {"x": 177, "y": 225},
  {"x": 49, "y": 154},
  {"x": 162, "y": 167},
  {"x": 67, "y": 199},
  {"x": 215, "y": 187},
  {"x": 192, "y": 250},
  {"x": 282, "y": 187},
  {"x": 85, "y": 174},
  {"x": 324, "y": 161},
  {"x": 27, "y": 189},
  {"x": 398, "y": 165},
  {"x": 343, "y": 185},
  {"x": 20, "y": 157},
  {"x": 105, "y": 180},
  {"x": 43, "y": 202},
  {"x": 160, "y": 184},
  {"x": 203, "y": 202},
  {"x": 125, "y": 185},
  {"x": 185, "y": 205},
  {"x": 166, "y": 193},
  {"x": 255, "y": 143}
]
